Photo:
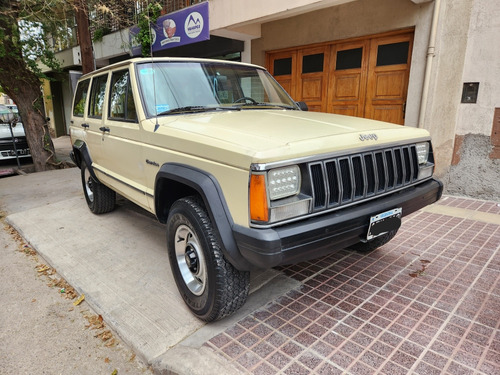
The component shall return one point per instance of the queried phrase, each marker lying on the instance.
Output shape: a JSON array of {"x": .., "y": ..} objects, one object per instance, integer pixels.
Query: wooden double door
[{"x": 365, "y": 77}]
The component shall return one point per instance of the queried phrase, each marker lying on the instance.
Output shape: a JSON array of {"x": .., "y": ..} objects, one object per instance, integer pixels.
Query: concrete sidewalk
[
  {"x": 119, "y": 261},
  {"x": 425, "y": 303}
]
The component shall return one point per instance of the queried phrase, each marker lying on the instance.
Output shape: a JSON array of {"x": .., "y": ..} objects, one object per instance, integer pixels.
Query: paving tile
[
  {"x": 425, "y": 369},
  {"x": 393, "y": 369},
  {"x": 372, "y": 359},
  {"x": 291, "y": 349},
  {"x": 403, "y": 359},
  {"x": 279, "y": 360},
  {"x": 490, "y": 368},
  {"x": 263, "y": 349},
  {"x": 361, "y": 369},
  {"x": 341, "y": 359},
  {"x": 457, "y": 369},
  {"x": 248, "y": 360},
  {"x": 248, "y": 339},
  {"x": 233, "y": 349},
  {"x": 297, "y": 369},
  {"x": 264, "y": 369},
  {"x": 328, "y": 369},
  {"x": 436, "y": 360},
  {"x": 276, "y": 339},
  {"x": 310, "y": 360}
]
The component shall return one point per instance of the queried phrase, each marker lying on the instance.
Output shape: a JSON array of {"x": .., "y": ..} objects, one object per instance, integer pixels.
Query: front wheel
[
  {"x": 99, "y": 197},
  {"x": 209, "y": 285}
]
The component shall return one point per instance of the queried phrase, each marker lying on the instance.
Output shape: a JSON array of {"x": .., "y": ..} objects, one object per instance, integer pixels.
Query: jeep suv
[{"x": 242, "y": 176}]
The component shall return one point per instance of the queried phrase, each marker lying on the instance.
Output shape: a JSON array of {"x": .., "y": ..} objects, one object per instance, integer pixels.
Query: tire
[
  {"x": 99, "y": 197},
  {"x": 209, "y": 285},
  {"x": 366, "y": 247}
]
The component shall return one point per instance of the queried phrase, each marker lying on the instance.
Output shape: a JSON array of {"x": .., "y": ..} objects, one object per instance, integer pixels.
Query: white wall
[
  {"x": 237, "y": 13},
  {"x": 482, "y": 64}
]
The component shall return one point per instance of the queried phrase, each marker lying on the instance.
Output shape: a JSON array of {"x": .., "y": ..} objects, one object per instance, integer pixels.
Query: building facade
[{"x": 420, "y": 63}]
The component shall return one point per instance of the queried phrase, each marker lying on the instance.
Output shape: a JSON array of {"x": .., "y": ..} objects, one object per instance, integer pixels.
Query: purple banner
[{"x": 185, "y": 26}]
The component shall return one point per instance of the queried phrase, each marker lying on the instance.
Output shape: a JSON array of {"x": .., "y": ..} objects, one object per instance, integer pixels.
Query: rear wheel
[
  {"x": 99, "y": 197},
  {"x": 210, "y": 286},
  {"x": 365, "y": 247}
]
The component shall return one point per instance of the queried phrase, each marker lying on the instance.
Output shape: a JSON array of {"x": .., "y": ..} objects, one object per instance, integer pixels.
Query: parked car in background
[{"x": 8, "y": 137}]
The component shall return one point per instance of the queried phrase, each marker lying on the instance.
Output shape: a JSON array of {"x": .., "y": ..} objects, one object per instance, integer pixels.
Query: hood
[{"x": 272, "y": 135}]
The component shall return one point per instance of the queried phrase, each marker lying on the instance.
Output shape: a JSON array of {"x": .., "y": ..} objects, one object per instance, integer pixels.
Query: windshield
[{"x": 174, "y": 87}]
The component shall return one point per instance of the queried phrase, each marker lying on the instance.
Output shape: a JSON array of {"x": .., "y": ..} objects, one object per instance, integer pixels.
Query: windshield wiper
[
  {"x": 259, "y": 104},
  {"x": 195, "y": 109},
  {"x": 189, "y": 108}
]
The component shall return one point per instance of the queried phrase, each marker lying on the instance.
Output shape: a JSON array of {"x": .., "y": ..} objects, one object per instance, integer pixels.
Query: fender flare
[
  {"x": 173, "y": 176},
  {"x": 81, "y": 153}
]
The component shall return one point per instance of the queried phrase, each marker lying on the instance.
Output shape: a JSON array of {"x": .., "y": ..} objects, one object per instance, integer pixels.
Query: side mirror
[{"x": 303, "y": 106}]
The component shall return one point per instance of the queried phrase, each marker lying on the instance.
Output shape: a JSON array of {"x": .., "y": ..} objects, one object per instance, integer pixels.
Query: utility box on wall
[{"x": 469, "y": 92}]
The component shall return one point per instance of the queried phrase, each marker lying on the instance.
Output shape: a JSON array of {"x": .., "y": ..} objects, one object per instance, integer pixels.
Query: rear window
[
  {"x": 97, "y": 94},
  {"x": 80, "y": 98}
]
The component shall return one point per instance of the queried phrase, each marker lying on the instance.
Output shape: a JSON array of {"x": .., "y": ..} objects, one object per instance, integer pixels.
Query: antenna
[{"x": 152, "y": 66}]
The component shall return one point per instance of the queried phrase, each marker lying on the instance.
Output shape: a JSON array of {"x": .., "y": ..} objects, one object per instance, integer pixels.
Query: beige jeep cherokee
[{"x": 242, "y": 175}]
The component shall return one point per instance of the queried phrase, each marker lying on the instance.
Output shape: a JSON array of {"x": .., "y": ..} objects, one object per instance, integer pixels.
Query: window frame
[
  {"x": 128, "y": 92},
  {"x": 85, "y": 93},
  {"x": 95, "y": 80}
]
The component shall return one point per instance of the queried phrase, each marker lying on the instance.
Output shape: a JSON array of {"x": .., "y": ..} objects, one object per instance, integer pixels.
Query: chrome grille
[{"x": 356, "y": 177}]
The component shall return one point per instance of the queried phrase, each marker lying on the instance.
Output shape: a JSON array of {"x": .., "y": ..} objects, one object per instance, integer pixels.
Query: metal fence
[{"x": 114, "y": 16}]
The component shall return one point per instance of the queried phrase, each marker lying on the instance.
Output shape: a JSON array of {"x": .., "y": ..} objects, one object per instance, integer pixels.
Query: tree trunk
[
  {"x": 23, "y": 86},
  {"x": 82, "y": 21}
]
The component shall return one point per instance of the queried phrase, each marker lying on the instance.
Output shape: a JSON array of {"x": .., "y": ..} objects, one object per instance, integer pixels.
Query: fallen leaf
[
  {"x": 42, "y": 268},
  {"x": 79, "y": 300},
  {"x": 106, "y": 360},
  {"x": 115, "y": 372},
  {"x": 105, "y": 335}
]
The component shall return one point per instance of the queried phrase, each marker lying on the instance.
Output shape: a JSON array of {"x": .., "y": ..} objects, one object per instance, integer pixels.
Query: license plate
[{"x": 384, "y": 222}]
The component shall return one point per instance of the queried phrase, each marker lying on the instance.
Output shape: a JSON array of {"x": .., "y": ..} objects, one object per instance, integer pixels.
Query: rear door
[
  {"x": 93, "y": 119},
  {"x": 121, "y": 146}
]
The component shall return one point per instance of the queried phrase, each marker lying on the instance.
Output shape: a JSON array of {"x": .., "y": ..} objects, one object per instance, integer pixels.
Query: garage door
[{"x": 365, "y": 77}]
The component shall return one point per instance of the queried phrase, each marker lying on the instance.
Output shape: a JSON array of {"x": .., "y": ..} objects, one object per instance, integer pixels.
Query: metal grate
[{"x": 357, "y": 177}]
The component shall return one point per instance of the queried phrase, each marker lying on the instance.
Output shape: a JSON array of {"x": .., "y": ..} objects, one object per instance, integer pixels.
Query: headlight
[
  {"x": 283, "y": 182},
  {"x": 422, "y": 152},
  {"x": 275, "y": 196}
]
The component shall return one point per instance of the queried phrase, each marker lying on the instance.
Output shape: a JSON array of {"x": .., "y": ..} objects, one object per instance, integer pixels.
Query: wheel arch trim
[
  {"x": 81, "y": 153},
  {"x": 208, "y": 188}
]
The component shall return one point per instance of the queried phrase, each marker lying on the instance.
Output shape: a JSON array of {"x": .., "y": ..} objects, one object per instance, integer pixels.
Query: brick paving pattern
[{"x": 428, "y": 302}]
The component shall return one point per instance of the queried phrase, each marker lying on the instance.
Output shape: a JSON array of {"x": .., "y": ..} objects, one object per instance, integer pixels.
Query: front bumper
[{"x": 318, "y": 236}]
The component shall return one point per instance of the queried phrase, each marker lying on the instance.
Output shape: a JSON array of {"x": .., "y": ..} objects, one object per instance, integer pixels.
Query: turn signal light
[{"x": 259, "y": 210}]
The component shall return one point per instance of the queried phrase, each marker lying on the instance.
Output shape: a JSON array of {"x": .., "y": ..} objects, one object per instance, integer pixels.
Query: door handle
[
  {"x": 85, "y": 125},
  {"x": 104, "y": 129}
]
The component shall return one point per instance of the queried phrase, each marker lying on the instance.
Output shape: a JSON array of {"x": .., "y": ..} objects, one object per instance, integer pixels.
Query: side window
[
  {"x": 121, "y": 100},
  {"x": 97, "y": 94},
  {"x": 80, "y": 98}
]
